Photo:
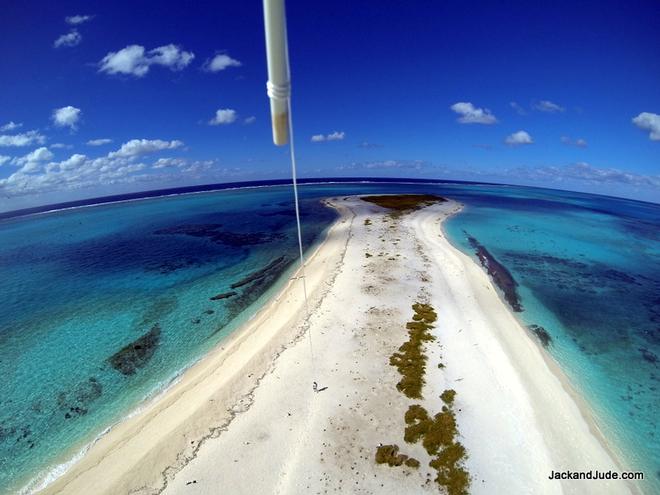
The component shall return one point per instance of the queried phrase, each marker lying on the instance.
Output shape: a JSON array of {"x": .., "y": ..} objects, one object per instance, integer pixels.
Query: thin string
[{"x": 300, "y": 247}]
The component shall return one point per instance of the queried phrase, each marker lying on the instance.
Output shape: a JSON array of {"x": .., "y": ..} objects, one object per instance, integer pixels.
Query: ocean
[{"x": 105, "y": 305}]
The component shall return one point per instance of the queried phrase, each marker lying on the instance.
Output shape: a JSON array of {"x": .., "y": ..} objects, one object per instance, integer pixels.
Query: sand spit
[{"x": 246, "y": 420}]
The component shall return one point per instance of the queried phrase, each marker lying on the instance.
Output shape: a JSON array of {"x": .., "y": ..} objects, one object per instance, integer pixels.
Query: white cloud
[
  {"x": 129, "y": 60},
  {"x": 223, "y": 116},
  {"x": 548, "y": 106},
  {"x": 73, "y": 162},
  {"x": 221, "y": 62},
  {"x": 416, "y": 165},
  {"x": 39, "y": 175},
  {"x": 24, "y": 139},
  {"x": 66, "y": 117},
  {"x": 518, "y": 138},
  {"x": 585, "y": 172},
  {"x": 135, "y": 61},
  {"x": 137, "y": 147},
  {"x": 469, "y": 114},
  {"x": 580, "y": 143},
  {"x": 10, "y": 126},
  {"x": 183, "y": 164},
  {"x": 4, "y": 159},
  {"x": 61, "y": 146},
  {"x": 649, "y": 122},
  {"x": 33, "y": 160},
  {"x": 72, "y": 38},
  {"x": 74, "y": 20},
  {"x": 334, "y": 136},
  {"x": 171, "y": 56},
  {"x": 98, "y": 142},
  {"x": 519, "y": 110},
  {"x": 250, "y": 120},
  {"x": 78, "y": 171},
  {"x": 169, "y": 162}
]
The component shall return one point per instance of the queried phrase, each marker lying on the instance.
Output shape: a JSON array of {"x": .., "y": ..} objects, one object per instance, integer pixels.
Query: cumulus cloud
[
  {"x": 72, "y": 38},
  {"x": 136, "y": 61},
  {"x": 39, "y": 175},
  {"x": 548, "y": 106},
  {"x": 649, "y": 122},
  {"x": 10, "y": 126},
  {"x": 183, "y": 164},
  {"x": 250, "y": 120},
  {"x": 4, "y": 159},
  {"x": 66, "y": 117},
  {"x": 585, "y": 172},
  {"x": 333, "y": 136},
  {"x": 221, "y": 62},
  {"x": 137, "y": 147},
  {"x": 61, "y": 146},
  {"x": 33, "y": 160},
  {"x": 75, "y": 20},
  {"x": 568, "y": 141},
  {"x": 385, "y": 164},
  {"x": 224, "y": 116},
  {"x": 469, "y": 114},
  {"x": 98, "y": 142},
  {"x": 24, "y": 139},
  {"x": 518, "y": 138},
  {"x": 169, "y": 162},
  {"x": 519, "y": 109}
]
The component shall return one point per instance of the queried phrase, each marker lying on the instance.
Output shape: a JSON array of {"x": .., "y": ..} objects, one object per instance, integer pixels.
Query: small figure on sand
[{"x": 316, "y": 388}]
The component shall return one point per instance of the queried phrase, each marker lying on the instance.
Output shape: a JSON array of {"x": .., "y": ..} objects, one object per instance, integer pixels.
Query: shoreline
[
  {"x": 354, "y": 312},
  {"x": 586, "y": 409},
  {"x": 217, "y": 359}
]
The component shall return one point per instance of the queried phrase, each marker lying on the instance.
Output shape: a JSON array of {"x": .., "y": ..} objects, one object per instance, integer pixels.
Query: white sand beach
[{"x": 245, "y": 419}]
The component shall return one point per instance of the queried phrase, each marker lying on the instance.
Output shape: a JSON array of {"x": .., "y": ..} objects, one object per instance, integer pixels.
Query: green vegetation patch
[
  {"x": 438, "y": 436},
  {"x": 401, "y": 203},
  {"x": 410, "y": 360},
  {"x": 389, "y": 454}
]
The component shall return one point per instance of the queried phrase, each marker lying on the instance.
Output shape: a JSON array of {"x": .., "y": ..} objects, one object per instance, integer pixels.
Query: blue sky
[{"x": 111, "y": 97}]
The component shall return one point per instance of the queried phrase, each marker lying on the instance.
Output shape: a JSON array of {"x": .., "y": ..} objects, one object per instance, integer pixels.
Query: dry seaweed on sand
[
  {"x": 389, "y": 454},
  {"x": 401, "y": 203},
  {"x": 410, "y": 359},
  {"x": 438, "y": 435}
]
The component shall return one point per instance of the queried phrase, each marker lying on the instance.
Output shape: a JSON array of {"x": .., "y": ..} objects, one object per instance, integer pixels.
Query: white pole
[
  {"x": 279, "y": 91},
  {"x": 278, "y": 85}
]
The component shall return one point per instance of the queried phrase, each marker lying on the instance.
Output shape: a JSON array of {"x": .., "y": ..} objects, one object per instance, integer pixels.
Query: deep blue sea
[{"x": 103, "y": 306}]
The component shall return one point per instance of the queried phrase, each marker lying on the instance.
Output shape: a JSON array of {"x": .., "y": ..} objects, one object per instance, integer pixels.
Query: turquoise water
[
  {"x": 588, "y": 270},
  {"x": 81, "y": 285}
]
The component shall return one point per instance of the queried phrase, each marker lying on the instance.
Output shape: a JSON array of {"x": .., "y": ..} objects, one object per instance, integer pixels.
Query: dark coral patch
[
  {"x": 224, "y": 295},
  {"x": 136, "y": 354},
  {"x": 274, "y": 266},
  {"x": 76, "y": 402},
  {"x": 213, "y": 233},
  {"x": 542, "y": 334},
  {"x": 500, "y": 275}
]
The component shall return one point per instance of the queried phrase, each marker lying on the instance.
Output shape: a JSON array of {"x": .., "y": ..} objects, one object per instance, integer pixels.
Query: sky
[{"x": 100, "y": 98}]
